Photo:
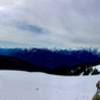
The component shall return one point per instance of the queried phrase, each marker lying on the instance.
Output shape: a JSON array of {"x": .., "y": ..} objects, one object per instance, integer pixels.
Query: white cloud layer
[{"x": 50, "y": 23}]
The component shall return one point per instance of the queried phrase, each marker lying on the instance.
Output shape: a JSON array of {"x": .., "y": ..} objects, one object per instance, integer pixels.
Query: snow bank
[{"x": 17, "y": 85}]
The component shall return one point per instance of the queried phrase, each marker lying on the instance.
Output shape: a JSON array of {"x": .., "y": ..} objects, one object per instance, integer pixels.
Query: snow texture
[{"x": 17, "y": 85}]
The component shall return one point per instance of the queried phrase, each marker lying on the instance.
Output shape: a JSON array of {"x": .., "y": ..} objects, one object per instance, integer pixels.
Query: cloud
[
  {"x": 24, "y": 26},
  {"x": 66, "y": 23},
  {"x": 7, "y": 2},
  {"x": 10, "y": 44}
]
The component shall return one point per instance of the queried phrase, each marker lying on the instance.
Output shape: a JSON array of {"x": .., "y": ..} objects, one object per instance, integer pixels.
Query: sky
[{"x": 50, "y": 23}]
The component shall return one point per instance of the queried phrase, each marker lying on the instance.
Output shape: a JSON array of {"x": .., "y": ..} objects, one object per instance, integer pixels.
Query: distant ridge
[{"x": 60, "y": 62}]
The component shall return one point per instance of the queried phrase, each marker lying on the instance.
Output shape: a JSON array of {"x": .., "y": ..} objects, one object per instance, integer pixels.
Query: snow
[
  {"x": 17, "y": 85},
  {"x": 97, "y": 67}
]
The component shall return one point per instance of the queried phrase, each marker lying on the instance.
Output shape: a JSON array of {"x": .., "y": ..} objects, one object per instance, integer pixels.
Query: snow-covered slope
[
  {"x": 17, "y": 85},
  {"x": 97, "y": 67}
]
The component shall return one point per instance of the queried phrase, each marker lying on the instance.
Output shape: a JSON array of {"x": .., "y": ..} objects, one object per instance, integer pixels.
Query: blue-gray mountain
[{"x": 62, "y": 62}]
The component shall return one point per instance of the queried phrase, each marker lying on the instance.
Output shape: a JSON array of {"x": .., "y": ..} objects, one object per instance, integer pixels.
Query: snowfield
[{"x": 17, "y": 85}]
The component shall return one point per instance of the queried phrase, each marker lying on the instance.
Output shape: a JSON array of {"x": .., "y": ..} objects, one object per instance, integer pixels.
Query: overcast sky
[{"x": 50, "y": 23}]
